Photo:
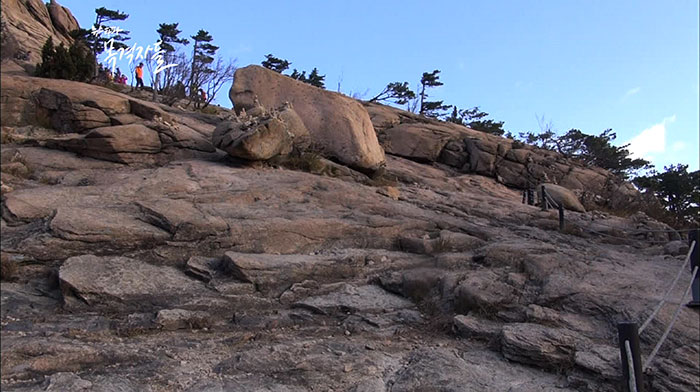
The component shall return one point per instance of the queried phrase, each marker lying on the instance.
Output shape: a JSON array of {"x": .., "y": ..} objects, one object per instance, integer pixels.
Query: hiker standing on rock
[
  {"x": 139, "y": 76},
  {"x": 201, "y": 98}
]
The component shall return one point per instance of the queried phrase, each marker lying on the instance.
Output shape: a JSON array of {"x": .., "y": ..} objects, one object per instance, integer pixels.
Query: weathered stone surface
[
  {"x": 258, "y": 141},
  {"x": 30, "y": 23},
  {"x": 459, "y": 242},
  {"x": 38, "y": 357},
  {"x": 63, "y": 98},
  {"x": 370, "y": 385},
  {"x": 148, "y": 110},
  {"x": 446, "y": 241},
  {"x": 63, "y": 20},
  {"x": 482, "y": 291},
  {"x": 356, "y": 299},
  {"x": 275, "y": 273},
  {"x": 471, "y": 327},
  {"x": 337, "y": 124},
  {"x": 677, "y": 248},
  {"x": 69, "y": 116},
  {"x": 202, "y": 268},
  {"x": 419, "y": 142},
  {"x": 482, "y": 158},
  {"x": 382, "y": 116},
  {"x": 63, "y": 381},
  {"x": 121, "y": 283},
  {"x": 134, "y": 143},
  {"x": 429, "y": 369},
  {"x": 103, "y": 225},
  {"x": 124, "y": 119},
  {"x": 601, "y": 360},
  {"x": 295, "y": 125},
  {"x": 546, "y": 316},
  {"x": 538, "y": 345},
  {"x": 678, "y": 372},
  {"x": 182, "y": 219},
  {"x": 134, "y": 138},
  {"x": 562, "y": 196},
  {"x": 173, "y": 319}
]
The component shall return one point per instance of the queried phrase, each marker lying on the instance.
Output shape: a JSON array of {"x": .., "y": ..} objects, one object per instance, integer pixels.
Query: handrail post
[
  {"x": 694, "y": 262},
  {"x": 628, "y": 332},
  {"x": 561, "y": 217},
  {"x": 543, "y": 198}
]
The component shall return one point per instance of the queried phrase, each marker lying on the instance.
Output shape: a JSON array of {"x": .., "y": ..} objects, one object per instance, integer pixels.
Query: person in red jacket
[{"x": 201, "y": 98}]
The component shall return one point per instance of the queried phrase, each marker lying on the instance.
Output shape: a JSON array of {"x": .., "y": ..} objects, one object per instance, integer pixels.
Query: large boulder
[
  {"x": 256, "y": 140},
  {"x": 29, "y": 23},
  {"x": 562, "y": 196},
  {"x": 339, "y": 125}
]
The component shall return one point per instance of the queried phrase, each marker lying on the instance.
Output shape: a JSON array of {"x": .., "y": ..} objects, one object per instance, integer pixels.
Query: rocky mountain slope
[
  {"x": 27, "y": 24},
  {"x": 145, "y": 259}
]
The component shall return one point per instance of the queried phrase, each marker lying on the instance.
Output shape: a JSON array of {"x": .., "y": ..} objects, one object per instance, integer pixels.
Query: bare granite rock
[
  {"x": 338, "y": 124},
  {"x": 538, "y": 345}
]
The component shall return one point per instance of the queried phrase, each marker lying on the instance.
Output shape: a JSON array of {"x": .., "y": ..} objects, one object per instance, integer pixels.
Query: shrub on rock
[{"x": 59, "y": 62}]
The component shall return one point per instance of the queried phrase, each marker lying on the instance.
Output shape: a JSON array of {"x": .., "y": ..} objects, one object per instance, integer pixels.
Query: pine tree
[
  {"x": 399, "y": 92},
  {"x": 315, "y": 79},
  {"x": 276, "y": 64},
  {"x": 168, "y": 33},
  {"x": 431, "y": 108},
  {"x": 676, "y": 188},
  {"x": 298, "y": 76},
  {"x": 202, "y": 56},
  {"x": 455, "y": 117},
  {"x": 591, "y": 150},
  {"x": 57, "y": 62},
  {"x": 169, "y": 36},
  {"x": 95, "y": 39}
]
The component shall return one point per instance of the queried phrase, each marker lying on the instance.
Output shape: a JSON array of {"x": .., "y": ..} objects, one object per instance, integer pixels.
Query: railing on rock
[
  {"x": 630, "y": 353},
  {"x": 628, "y": 333}
]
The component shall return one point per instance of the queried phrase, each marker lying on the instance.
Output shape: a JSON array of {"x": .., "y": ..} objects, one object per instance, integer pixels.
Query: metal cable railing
[
  {"x": 630, "y": 353},
  {"x": 651, "y": 356},
  {"x": 668, "y": 292}
]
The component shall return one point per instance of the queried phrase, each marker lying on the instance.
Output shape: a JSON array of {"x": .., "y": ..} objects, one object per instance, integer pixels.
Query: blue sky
[{"x": 592, "y": 65}]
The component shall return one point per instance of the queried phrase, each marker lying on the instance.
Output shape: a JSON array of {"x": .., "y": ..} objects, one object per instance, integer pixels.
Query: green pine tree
[
  {"x": 58, "y": 62},
  {"x": 169, "y": 37},
  {"x": 399, "y": 92},
  {"x": 316, "y": 79},
  {"x": 676, "y": 188},
  {"x": 431, "y": 108},
  {"x": 276, "y": 64},
  {"x": 202, "y": 56},
  {"x": 96, "y": 41}
]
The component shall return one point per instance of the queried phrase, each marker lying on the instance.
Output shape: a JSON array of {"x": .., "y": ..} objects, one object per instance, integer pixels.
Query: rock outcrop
[
  {"x": 512, "y": 163},
  {"x": 98, "y": 122},
  {"x": 338, "y": 125},
  {"x": 28, "y": 24}
]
